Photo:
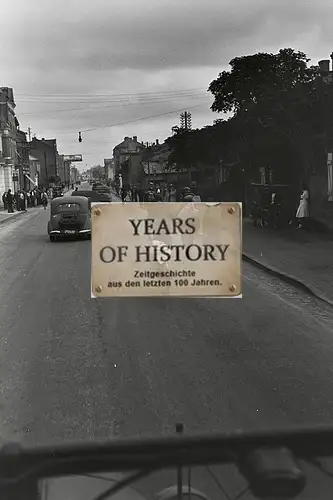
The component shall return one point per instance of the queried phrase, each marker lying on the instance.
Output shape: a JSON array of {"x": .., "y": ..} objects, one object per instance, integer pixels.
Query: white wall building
[{"x": 110, "y": 170}]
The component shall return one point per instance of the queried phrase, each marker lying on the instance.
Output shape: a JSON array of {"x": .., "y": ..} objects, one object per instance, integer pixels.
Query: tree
[
  {"x": 280, "y": 107},
  {"x": 259, "y": 77},
  {"x": 277, "y": 100}
]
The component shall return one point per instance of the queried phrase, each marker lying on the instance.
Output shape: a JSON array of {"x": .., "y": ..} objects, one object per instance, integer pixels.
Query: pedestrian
[
  {"x": 22, "y": 202},
  {"x": 135, "y": 194},
  {"x": 44, "y": 200},
  {"x": 141, "y": 194},
  {"x": 158, "y": 195},
  {"x": 187, "y": 195},
  {"x": 303, "y": 211},
  {"x": 172, "y": 194},
  {"x": 265, "y": 203},
  {"x": 123, "y": 193},
  {"x": 33, "y": 198},
  {"x": 4, "y": 200},
  {"x": 10, "y": 200}
]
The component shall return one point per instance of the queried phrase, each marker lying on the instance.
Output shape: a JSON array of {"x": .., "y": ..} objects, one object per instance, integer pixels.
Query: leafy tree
[
  {"x": 278, "y": 101},
  {"x": 259, "y": 77},
  {"x": 279, "y": 107}
]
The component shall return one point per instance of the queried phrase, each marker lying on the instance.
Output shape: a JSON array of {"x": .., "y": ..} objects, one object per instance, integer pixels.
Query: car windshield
[{"x": 200, "y": 290}]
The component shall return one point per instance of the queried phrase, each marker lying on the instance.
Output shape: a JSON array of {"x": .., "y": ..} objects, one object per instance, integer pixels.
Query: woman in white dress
[{"x": 303, "y": 210}]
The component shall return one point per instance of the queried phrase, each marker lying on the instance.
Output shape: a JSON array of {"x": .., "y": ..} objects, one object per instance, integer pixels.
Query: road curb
[
  {"x": 13, "y": 217},
  {"x": 288, "y": 278}
]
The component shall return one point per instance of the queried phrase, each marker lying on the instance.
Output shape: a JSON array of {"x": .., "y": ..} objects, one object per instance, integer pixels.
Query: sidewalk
[
  {"x": 7, "y": 217},
  {"x": 302, "y": 258}
]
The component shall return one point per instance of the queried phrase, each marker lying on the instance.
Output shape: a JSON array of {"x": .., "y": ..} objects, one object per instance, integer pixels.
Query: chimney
[
  {"x": 157, "y": 143},
  {"x": 324, "y": 66},
  {"x": 135, "y": 138}
]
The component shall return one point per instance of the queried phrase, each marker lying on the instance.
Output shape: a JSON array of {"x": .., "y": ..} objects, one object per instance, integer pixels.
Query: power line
[
  {"x": 142, "y": 118},
  {"x": 114, "y": 95},
  {"x": 116, "y": 99},
  {"x": 119, "y": 105}
]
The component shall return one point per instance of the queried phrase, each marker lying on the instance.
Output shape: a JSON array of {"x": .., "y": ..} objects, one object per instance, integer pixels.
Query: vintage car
[
  {"x": 70, "y": 216},
  {"x": 94, "y": 196},
  {"x": 103, "y": 190},
  {"x": 57, "y": 191}
]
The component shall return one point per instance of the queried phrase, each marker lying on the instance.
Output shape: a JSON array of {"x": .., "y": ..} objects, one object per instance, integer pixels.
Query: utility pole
[
  {"x": 186, "y": 125},
  {"x": 186, "y": 120},
  {"x": 29, "y": 133}
]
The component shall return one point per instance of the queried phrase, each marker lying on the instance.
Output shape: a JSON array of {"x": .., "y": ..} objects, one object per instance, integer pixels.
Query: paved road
[{"x": 76, "y": 368}]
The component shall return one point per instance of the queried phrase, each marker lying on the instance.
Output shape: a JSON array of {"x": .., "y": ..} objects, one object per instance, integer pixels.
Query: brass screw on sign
[
  {"x": 98, "y": 289},
  {"x": 97, "y": 211},
  {"x": 231, "y": 210},
  {"x": 232, "y": 288}
]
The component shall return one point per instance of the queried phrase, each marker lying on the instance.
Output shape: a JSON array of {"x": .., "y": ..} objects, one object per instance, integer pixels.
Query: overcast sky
[{"x": 77, "y": 65}]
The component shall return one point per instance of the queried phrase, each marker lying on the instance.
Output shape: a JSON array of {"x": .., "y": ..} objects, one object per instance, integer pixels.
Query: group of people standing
[
  {"x": 155, "y": 193},
  {"x": 21, "y": 200},
  {"x": 269, "y": 207}
]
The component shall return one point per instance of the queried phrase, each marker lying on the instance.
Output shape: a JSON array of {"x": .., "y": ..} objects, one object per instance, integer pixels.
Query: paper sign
[{"x": 166, "y": 250}]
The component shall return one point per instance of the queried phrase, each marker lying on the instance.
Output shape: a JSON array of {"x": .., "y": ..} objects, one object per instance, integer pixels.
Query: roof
[
  {"x": 49, "y": 143},
  {"x": 124, "y": 143}
]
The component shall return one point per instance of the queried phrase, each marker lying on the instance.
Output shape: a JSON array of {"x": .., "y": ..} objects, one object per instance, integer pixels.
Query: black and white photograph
[{"x": 127, "y": 372}]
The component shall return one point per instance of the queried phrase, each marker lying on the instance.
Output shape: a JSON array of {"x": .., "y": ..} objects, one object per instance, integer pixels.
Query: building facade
[
  {"x": 22, "y": 165},
  {"x": 122, "y": 151},
  {"x": 8, "y": 127},
  {"x": 109, "y": 165},
  {"x": 45, "y": 150},
  {"x": 67, "y": 172},
  {"x": 74, "y": 175},
  {"x": 34, "y": 172},
  {"x": 127, "y": 158},
  {"x": 320, "y": 178}
]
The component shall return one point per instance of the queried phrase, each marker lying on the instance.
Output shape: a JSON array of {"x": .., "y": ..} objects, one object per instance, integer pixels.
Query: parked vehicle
[
  {"x": 57, "y": 191},
  {"x": 103, "y": 189},
  {"x": 70, "y": 216},
  {"x": 94, "y": 196}
]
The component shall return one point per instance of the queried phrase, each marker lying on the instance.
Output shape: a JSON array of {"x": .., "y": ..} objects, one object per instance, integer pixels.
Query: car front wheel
[{"x": 52, "y": 238}]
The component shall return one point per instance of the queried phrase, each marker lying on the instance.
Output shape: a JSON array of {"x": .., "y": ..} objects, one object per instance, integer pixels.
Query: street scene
[
  {"x": 154, "y": 122},
  {"x": 129, "y": 367},
  {"x": 89, "y": 369}
]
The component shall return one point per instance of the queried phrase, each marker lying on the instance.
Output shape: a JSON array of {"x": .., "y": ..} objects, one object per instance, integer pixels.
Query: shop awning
[{"x": 33, "y": 182}]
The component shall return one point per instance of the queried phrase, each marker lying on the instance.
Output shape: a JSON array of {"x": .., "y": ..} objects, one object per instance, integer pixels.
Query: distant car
[
  {"x": 94, "y": 196},
  {"x": 103, "y": 189},
  {"x": 97, "y": 185},
  {"x": 70, "y": 216},
  {"x": 57, "y": 191}
]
